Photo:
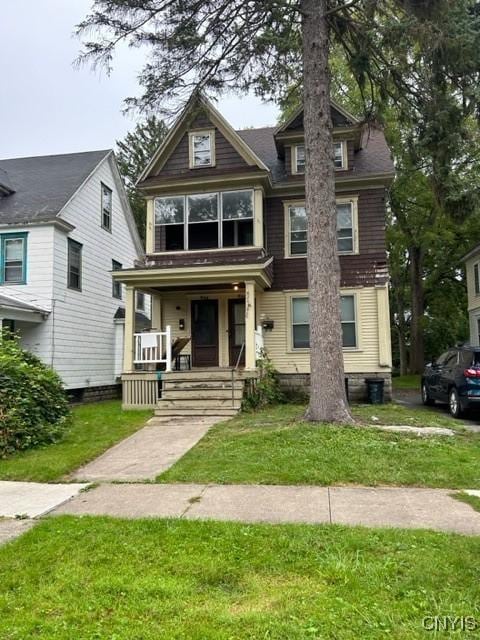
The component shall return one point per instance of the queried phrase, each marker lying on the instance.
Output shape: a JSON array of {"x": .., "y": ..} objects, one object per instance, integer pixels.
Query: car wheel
[
  {"x": 426, "y": 399},
  {"x": 454, "y": 403}
]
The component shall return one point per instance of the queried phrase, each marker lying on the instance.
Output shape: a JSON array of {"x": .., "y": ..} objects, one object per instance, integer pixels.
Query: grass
[
  {"x": 95, "y": 427},
  {"x": 275, "y": 446},
  {"x": 406, "y": 382},
  {"x": 473, "y": 501},
  {"x": 121, "y": 579}
]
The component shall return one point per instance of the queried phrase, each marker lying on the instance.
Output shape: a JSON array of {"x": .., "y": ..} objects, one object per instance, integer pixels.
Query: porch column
[
  {"x": 129, "y": 329},
  {"x": 156, "y": 312},
  {"x": 250, "y": 356}
]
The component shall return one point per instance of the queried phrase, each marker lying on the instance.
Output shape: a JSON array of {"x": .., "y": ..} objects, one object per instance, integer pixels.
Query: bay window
[
  {"x": 204, "y": 221},
  {"x": 300, "y": 322}
]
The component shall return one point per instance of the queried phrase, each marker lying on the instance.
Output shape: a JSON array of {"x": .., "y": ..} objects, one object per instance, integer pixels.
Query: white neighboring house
[{"x": 65, "y": 224}]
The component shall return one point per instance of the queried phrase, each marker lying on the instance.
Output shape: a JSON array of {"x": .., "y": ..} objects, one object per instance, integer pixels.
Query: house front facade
[
  {"x": 472, "y": 271},
  {"x": 65, "y": 224},
  {"x": 226, "y": 248}
]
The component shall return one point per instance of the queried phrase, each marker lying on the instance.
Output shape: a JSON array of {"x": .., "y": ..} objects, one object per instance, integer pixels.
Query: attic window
[
  {"x": 201, "y": 149},
  {"x": 340, "y": 155},
  {"x": 106, "y": 207},
  {"x": 299, "y": 159}
]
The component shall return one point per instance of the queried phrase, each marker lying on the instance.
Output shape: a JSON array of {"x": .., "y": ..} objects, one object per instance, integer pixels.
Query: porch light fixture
[{"x": 235, "y": 286}]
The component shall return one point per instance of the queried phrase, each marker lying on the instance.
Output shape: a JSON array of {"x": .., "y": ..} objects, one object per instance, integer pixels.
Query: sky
[{"x": 49, "y": 106}]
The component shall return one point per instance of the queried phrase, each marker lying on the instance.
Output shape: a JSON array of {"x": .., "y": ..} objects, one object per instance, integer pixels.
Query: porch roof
[
  {"x": 197, "y": 274},
  {"x": 14, "y": 309}
]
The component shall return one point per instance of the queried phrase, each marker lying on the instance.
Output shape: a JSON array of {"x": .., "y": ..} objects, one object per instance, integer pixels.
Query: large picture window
[
  {"x": 301, "y": 323},
  {"x": 13, "y": 258},
  {"x": 296, "y": 228},
  {"x": 204, "y": 221}
]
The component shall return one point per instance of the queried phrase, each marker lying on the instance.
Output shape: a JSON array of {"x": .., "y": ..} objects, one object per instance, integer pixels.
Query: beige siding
[
  {"x": 473, "y": 298},
  {"x": 275, "y": 306}
]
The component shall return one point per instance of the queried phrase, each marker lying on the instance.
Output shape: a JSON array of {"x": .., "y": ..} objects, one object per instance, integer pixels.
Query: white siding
[{"x": 84, "y": 332}]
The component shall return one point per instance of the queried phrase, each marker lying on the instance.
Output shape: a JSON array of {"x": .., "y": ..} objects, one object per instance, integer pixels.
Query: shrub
[
  {"x": 265, "y": 390},
  {"x": 33, "y": 405}
]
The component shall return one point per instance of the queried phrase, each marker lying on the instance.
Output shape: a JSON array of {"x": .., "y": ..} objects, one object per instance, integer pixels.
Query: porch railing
[{"x": 153, "y": 348}]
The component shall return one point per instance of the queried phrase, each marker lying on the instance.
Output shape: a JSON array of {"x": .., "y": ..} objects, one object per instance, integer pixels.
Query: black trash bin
[{"x": 375, "y": 390}]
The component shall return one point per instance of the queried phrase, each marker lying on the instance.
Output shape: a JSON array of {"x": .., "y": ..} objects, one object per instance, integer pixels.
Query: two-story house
[
  {"x": 65, "y": 224},
  {"x": 226, "y": 251}
]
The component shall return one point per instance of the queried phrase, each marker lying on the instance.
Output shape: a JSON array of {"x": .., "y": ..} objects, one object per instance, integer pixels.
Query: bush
[
  {"x": 265, "y": 390},
  {"x": 33, "y": 405}
]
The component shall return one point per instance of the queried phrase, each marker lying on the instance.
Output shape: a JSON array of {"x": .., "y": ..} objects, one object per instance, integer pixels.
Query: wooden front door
[
  {"x": 204, "y": 333},
  {"x": 236, "y": 331}
]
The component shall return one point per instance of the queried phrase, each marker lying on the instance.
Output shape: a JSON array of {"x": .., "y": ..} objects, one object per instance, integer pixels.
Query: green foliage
[
  {"x": 33, "y": 404},
  {"x": 133, "y": 154},
  {"x": 265, "y": 390}
]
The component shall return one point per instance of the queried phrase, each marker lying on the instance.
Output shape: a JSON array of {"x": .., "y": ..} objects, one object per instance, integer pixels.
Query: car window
[
  {"x": 466, "y": 358},
  {"x": 441, "y": 359},
  {"x": 451, "y": 360},
  {"x": 476, "y": 358}
]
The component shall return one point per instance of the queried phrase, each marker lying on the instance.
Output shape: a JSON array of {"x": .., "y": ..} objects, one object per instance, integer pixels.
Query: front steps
[{"x": 201, "y": 392}]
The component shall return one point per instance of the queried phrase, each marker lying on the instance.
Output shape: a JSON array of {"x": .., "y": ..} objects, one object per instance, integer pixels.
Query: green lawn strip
[
  {"x": 92, "y": 577},
  {"x": 406, "y": 382},
  {"x": 473, "y": 501},
  {"x": 275, "y": 446},
  {"x": 95, "y": 427},
  {"x": 398, "y": 414}
]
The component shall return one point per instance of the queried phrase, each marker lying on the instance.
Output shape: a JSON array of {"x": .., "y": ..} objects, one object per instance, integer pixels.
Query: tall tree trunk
[
  {"x": 327, "y": 388},
  {"x": 400, "y": 325},
  {"x": 417, "y": 343}
]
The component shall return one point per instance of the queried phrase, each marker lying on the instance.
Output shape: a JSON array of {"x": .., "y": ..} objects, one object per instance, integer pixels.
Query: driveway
[{"x": 412, "y": 398}]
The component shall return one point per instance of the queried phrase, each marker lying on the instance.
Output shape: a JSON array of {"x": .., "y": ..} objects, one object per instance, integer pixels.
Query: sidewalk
[{"x": 372, "y": 507}]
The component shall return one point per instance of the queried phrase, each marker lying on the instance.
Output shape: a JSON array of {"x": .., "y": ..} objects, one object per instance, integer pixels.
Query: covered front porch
[{"x": 203, "y": 318}]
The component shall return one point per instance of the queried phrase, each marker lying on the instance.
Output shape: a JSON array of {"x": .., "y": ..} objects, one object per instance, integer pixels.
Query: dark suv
[{"x": 454, "y": 378}]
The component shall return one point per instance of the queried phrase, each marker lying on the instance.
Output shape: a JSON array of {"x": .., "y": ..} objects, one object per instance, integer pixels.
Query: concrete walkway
[
  {"x": 372, "y": 507},
  {"x": 33, "y": 499},
  {"x": 148, "y": 452}
]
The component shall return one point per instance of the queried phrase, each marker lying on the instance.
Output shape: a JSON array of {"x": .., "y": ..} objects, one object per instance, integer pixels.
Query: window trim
[
  {"x": 22, "y": 235},
  {"x": 301, "y": 203},
  {"x": 102, "y": 187},
  {"x": 476, "y": 279},
  {"x": 71, "y": 242},
  {"x": 116, "y": 266},
  {"x": 219, "y": 221},
  {"x": 191, "y": 155},
  {"x": 294, "y": 159},
  {"x": 344, "y": 166},
  {"x": 290, "y": 295}
]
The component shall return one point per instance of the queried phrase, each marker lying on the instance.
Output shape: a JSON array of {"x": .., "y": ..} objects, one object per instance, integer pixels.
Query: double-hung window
[
  {"x": 13, "y": 258},
  {"x": 296, "y": 228},
  {"x": 201, "y": 149},
  {"x": 300, "y": 322},
  {"x": 116, "y": 285},
  {"x": 107, "y": 196},
  {"x": 204, "y": 221},
  {"x": 476, "y": 278},
  {"x": 339, "y": 157},
  {"x": 74, "y": 265}
]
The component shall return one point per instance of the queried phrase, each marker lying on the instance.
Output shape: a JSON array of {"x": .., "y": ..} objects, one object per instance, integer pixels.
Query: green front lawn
[
  {"x": 411, "y": 381},
  {"x": 87, "y": 578},
  {"x": 95, "y": 427},
  {"x": 275, "y": 446}
]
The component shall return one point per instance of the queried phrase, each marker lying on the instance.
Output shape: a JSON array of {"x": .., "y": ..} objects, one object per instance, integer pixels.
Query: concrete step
[
  {"x": 201, "y": 403},
  {"x": 188, "y": 411},
  {"x": 202, "y": 394}
]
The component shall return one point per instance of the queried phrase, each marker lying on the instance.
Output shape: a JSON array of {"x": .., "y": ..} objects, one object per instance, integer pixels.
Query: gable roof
[
  {"x": 44, "y": 184},
  {"x": 180, "y": 127},
  {"x": 373, "y": 158},
  {"x": 340, "y": 117},
  {"x": 5, "y": 186}
]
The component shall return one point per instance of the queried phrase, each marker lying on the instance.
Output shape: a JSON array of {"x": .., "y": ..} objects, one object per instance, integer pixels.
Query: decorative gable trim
[{"x": 180, "y": 128}]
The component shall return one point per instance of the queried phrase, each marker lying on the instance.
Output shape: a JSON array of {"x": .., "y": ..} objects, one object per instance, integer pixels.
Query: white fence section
[{"x": 153, "y": 348}]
